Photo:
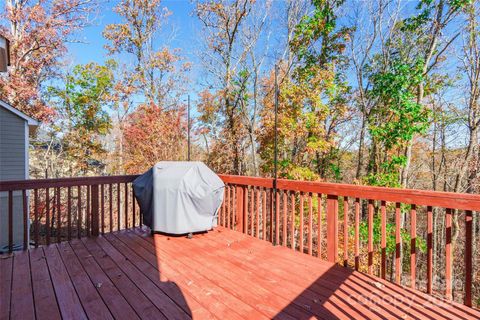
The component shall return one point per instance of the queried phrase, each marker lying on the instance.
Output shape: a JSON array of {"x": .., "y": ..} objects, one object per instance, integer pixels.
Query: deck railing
[
  {"x": 336, "y": 222},
  {"x": 356, "y": 226},
  {"x": 60, "y": 209}
]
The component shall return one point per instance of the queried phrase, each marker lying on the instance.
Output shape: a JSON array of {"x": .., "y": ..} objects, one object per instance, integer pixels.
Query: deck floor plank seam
[
  {"x": 250, "y": 293},
  {"x": 67, "y": 298},
  {"x": 227, "y": 300},
  {"x": 309, "y": 306},
  {"x": 222, "y": 274},
  {"x": 152, "y": 272},
  {"x": 418, "y": 298},
  {"x": 358, "y": 278},
  {"x": 118, "y": 305},
  {"x": 6, "y": 270},
  {"x": 144, "y": 308},
  {"x": 45, "y": 299},
  {"x": 31, "y": 284}
]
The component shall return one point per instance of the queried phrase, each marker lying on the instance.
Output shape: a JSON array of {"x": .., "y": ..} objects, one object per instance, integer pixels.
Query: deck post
[
  {"x": 239, "y": 216},
  {"x": 94, "y": 210},
  {"x": 332, "y": 228}
]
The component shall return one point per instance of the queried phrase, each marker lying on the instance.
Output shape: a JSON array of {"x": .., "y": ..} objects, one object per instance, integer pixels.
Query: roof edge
[{"x": 30, "y": 120}]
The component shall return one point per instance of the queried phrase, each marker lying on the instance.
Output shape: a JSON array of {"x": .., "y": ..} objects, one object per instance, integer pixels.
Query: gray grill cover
[{"x": 179, "y": 197}]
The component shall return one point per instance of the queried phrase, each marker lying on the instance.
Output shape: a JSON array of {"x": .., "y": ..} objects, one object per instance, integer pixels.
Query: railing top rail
[
  {"x": 247, "y": 180},
  {"x": 15, "y": 185},
  {"x": 461, "y": 201}
]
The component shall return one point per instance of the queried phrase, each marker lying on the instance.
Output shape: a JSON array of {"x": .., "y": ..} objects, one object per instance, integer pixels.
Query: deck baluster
[
  {"x": 370, "y": 236},
  {"x": 429, "y": 248},
  {"x": 284, "y": 223},
  {"x": 398, "y": 244},
  {"x": 69, "y": 213},
  {"x": 345, "y": 231},
  {"x": 413, "y": 246},
  {"x": 468, "y": 258},
  {"x": 301, "y": 230},
  {"x": 357, "y": 234},
  {"x": 332, "y": 228},
  {"x": 448, "y": 253},
  {"x": 310, "y": 224},
  {"x": 319, "y": 225},
  {"x": 383, "y": 244}
]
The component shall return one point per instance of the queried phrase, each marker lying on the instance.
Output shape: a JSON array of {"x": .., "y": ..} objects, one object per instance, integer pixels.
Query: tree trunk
[
  {"x": 254, "y": 154},
  {"x": 360, "y": 149}
]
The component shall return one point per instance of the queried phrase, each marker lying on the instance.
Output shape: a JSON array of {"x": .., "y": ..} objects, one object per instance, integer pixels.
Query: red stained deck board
[
  {"x": 311, "y": 308},
  {"x": 117, "y": 304},
  {"x": 6, "y": 264},
  {"x": 287, "y": 287},
  {"x": 139, "y": 302},
  {"x": 21, "y": 303},
  {"x": 415, "y": 299},
  {"x": 162, "y": 301},
  {"x": 43, "y": 294},
  {"x": 222, "y": 274},
  {"x": 87, "y": 293},
  {"x": 184, "y": 300},
  {"x": 256, "y": 290},
  {"x": 68, "y": 301},
  {"x": 216, "y": 299},
  {"x": 235, "y": 284},
  {"x": 336, "y": 281}
]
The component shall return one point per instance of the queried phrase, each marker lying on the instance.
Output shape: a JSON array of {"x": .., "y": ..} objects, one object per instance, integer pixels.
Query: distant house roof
[{"x": 30, "y": 120}]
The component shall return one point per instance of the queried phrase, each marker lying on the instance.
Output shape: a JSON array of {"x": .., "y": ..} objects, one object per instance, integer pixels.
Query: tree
[
  {"x": 222, "y": 22},
  {"x": 38, "y": 31},
  {"x": 371, "y": 23},
  {"x": 425, "y": 31},
  {"x": 395, "y": 119},
  {"x": 151, "y": 135},
  {"x": 158, "y": 76},
  {"x": 313, "y": 100},
  {"x": 470, "y": 65},
  {"x": 82, "y": 103}
]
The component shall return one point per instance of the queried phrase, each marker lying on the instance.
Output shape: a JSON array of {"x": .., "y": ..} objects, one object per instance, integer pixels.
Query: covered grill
[{"x": 179, "y": 197}]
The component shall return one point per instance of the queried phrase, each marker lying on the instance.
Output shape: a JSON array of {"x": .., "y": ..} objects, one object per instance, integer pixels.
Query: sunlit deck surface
[{"x": 222, "y": 274}]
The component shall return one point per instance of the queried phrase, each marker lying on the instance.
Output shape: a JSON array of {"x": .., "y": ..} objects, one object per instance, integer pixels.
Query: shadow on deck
[{"x": 221, "y": 274}]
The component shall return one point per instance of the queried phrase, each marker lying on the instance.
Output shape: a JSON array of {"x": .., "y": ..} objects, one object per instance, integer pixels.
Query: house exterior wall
[
  {"x": 13, "y": 150},
  {"x": 13, "y": 166}
]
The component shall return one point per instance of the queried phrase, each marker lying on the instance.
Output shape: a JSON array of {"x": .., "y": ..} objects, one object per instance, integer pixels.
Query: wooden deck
[{"x": 221, "y": 274}]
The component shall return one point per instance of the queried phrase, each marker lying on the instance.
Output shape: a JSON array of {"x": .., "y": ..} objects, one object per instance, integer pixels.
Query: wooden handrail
[
  {"x": 247, "y": 181},
  {"x": 63, "y": 182},
  {"x": 254, "y": 202},
  {"x": 302, "y": 207},
  {"x": 461, "y": 201},
  {"x": 55, "y": 214}
]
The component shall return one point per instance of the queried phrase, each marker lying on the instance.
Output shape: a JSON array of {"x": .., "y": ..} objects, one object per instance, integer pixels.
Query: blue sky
[{"x": 182, "y": 31}]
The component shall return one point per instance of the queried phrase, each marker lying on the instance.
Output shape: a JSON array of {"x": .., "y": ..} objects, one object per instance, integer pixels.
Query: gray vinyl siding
[
  {"x": 17, "y": 228},
  {"x": 12, "y": 146}
]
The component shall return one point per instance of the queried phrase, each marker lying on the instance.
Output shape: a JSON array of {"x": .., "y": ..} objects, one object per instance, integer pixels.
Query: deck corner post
[
  {"x": 332, "y": 228},
  {"x": 239, "y": 217},
  {"x": 94, "y": 210}
]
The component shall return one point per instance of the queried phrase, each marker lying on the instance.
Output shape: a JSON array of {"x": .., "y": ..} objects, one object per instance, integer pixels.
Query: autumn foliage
[
  {"x": 38, "y": 32},
  {"x": 153, "y": 134}
]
